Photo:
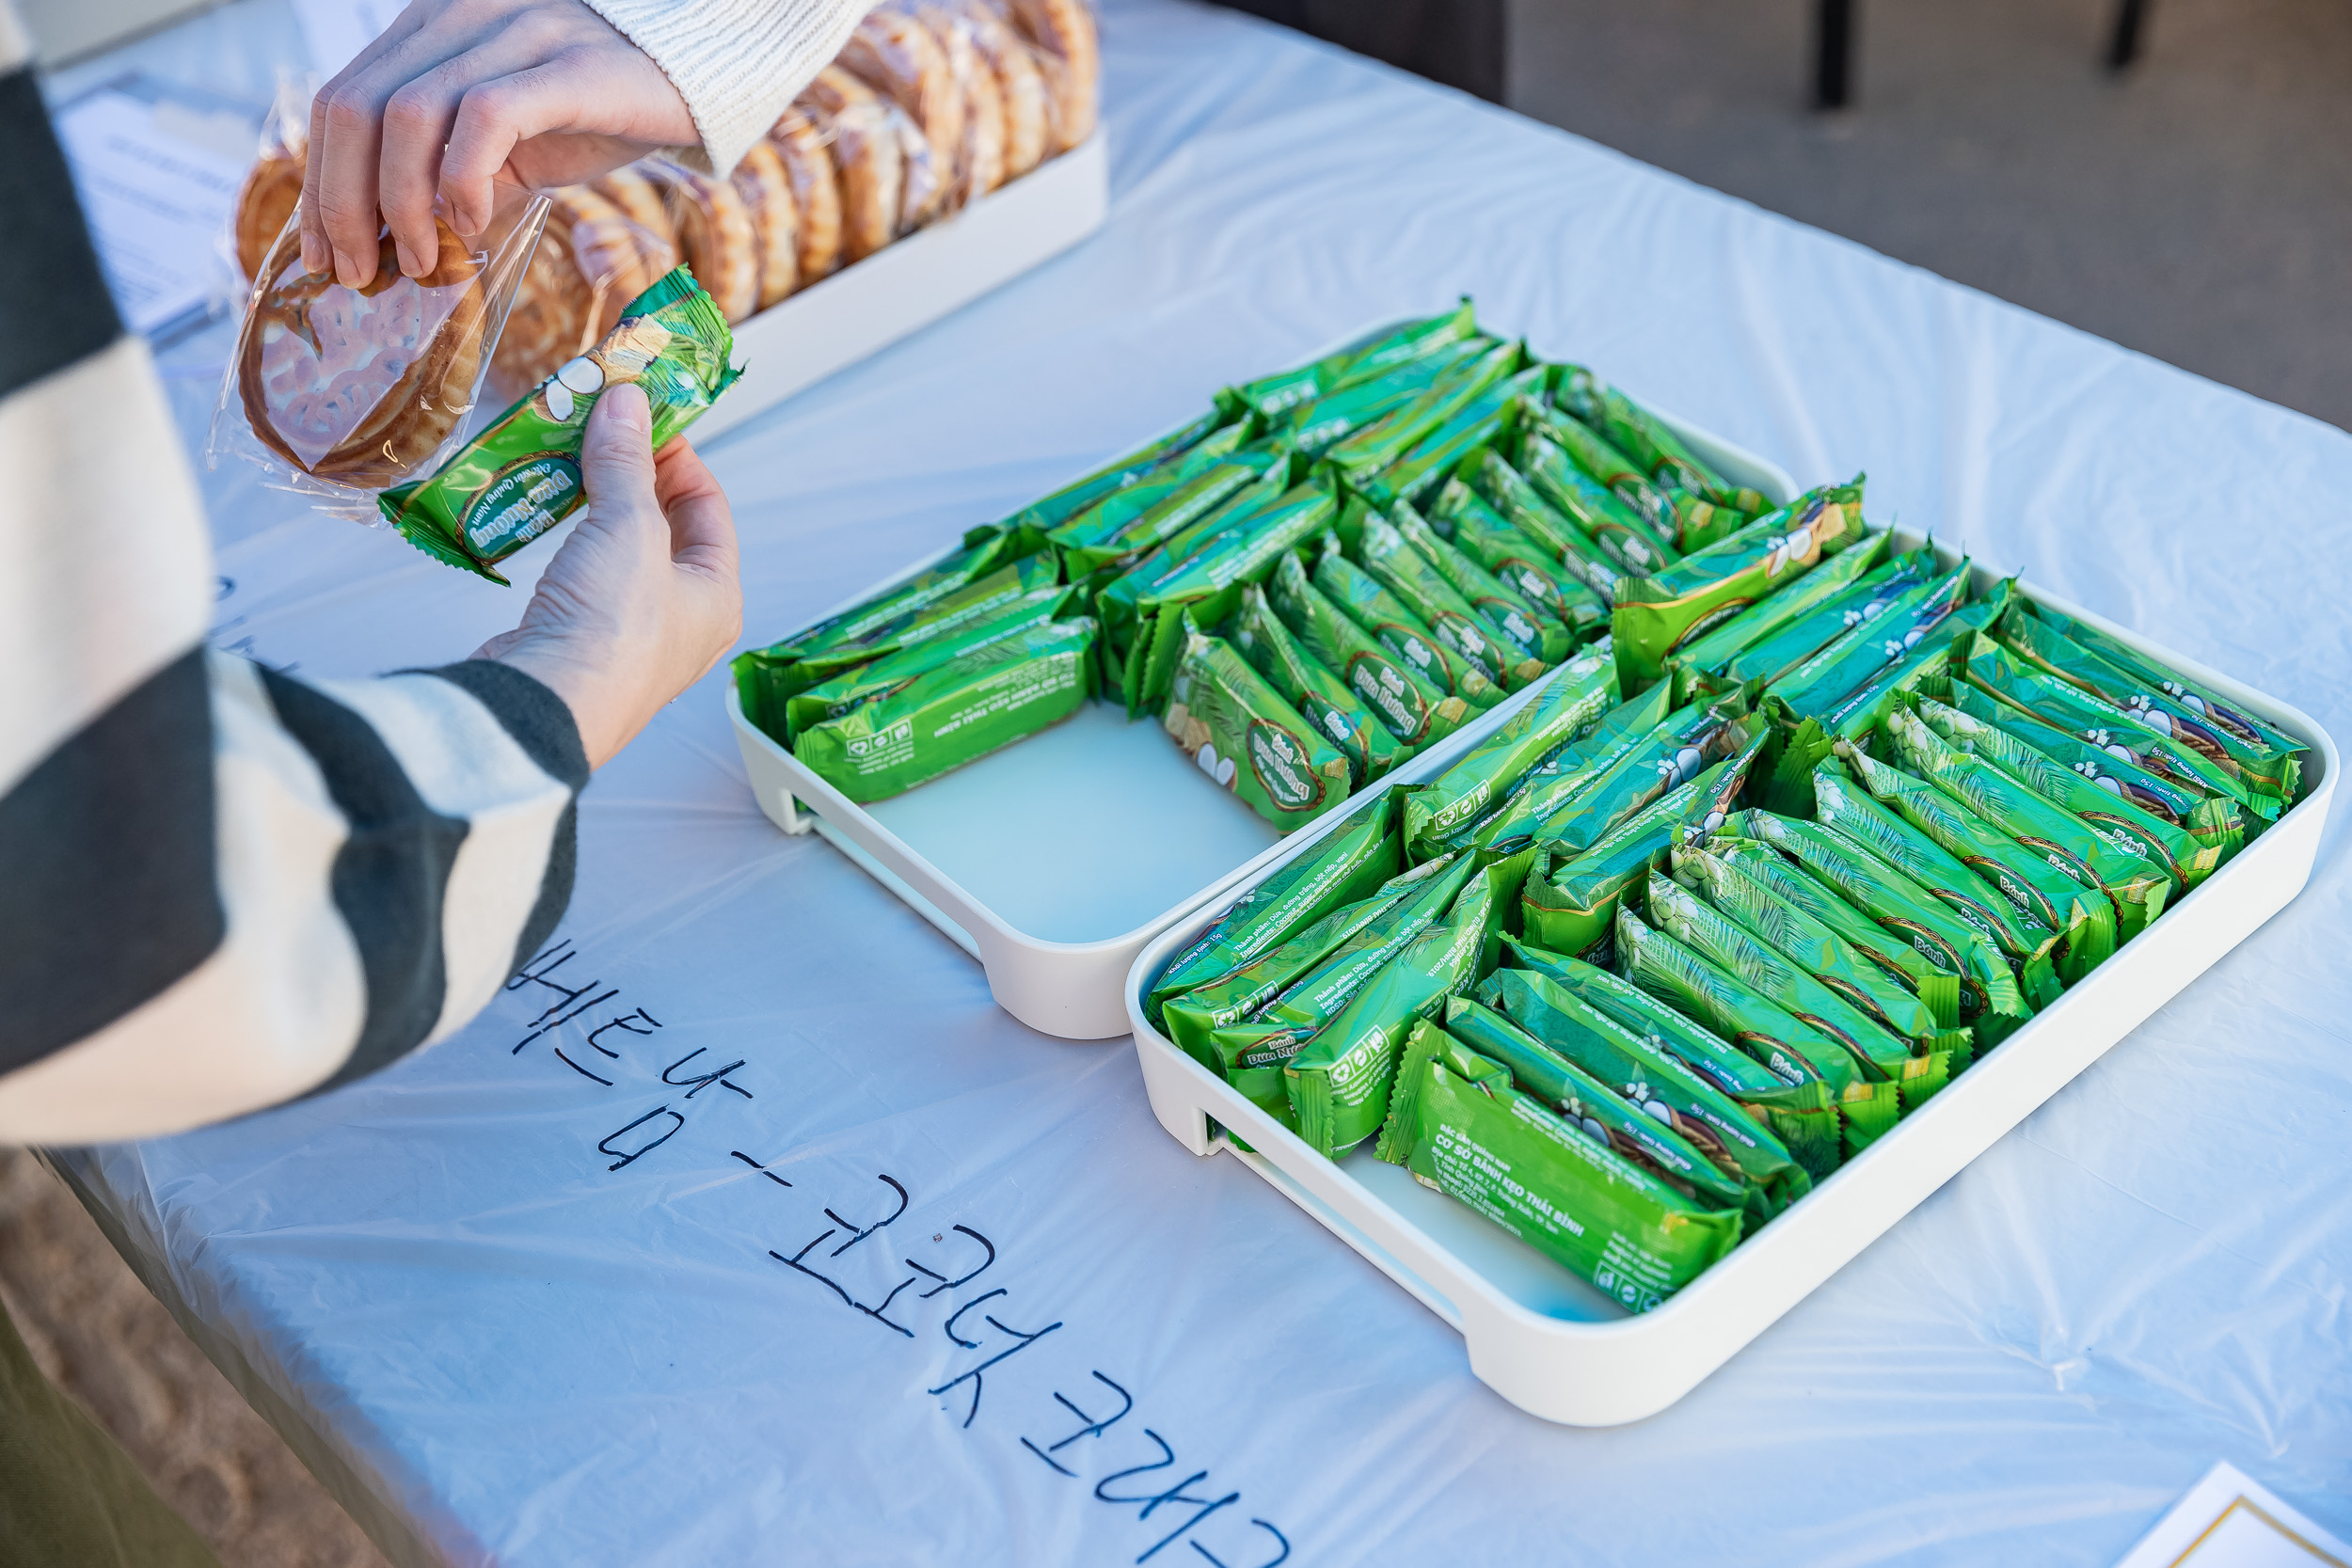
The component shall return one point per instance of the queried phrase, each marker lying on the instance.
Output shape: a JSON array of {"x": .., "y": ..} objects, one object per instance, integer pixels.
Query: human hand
[
  {"x": 458, "y": 93},
  {"x": 643, "y": 599}
]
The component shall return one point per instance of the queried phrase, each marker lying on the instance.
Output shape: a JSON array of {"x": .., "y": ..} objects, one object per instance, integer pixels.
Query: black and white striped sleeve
[{"x": 220, "y": 887}]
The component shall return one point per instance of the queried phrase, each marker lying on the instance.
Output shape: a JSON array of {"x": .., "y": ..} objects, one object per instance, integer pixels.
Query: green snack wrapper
[
  {"x": 2203, "y": 701},
  {"x": 2183, "y": 859},
  {"x": 1570, "y": 701},
  {"x": 1762, "y": 907},
  {"x": 1524, "y": 630},
  {"x": 1780, "y": 630},
  {"x": 2136, "y": 882},
  {"x": 1320, "y": 696},
  {"x": 1650, "y": 441},
  {"x": 1051, "y": 512},
  {"x": 1685, "y": 742},
  {"x": 1487, "y": 493},
  {"x": 1678, "y": 975},
  {"x": 1351, "y": 863},
  {"x": 1878, "y": 1056},
  {"x": 1631, "y": 540},
  {"x": 2039, "y": 695},
  {"x": 1415, "y": 710},
  {"x": 1540, "y": 576},
  {"x": 2273, "y": 770},
  {"x": 1086, "y": 539},
  {"x": 1339, "y": 1081},
  {"x": 1633, "y": 1131},
  {"x": 1592, "y": 452},
  {"x": 1990, "y": 1001},
  {"x": 1871, "y": 966},
  {"x": 863, "y": 683},
  {"x": 766, "y": 680},
  {"x": 2215, "y": 823},
  {"x": 1657, "y": 613},
  {"x": 1708, "y": 1122},
  {"x": 1229, "y": 721},
  {"x": 1249, "y": 554},
  {"x": 1375, "y": 353},
  {"x": 520, "y": 476},
  {"x": 766, "y": 677},
  {"x": 1546, "y": 788},
  {"x": 1700, "y": 522},
  {"x": 1192, "y": 1018},
  {"x": 1856, "y": 657},
  {"x": 1386, "y": 439},
  {"x": 1799, "y": 1113},
  {"x": 1315, "y": 427},
  {"x": 1392, "y": 562},
  {"x": 1484, "y": 419},
  {"x": 1227, "y": 494},
  {"x": 1276, "y": 1032},
  {"x": 1604, "y": 1219},
  {"x": 1401, "y": 630},
  {"x": 2047, "y": 891},
  {"x": 975, "y": 704},
  {"x": 1932, "y": 660},
  {"x": 1571, "y": 909}
]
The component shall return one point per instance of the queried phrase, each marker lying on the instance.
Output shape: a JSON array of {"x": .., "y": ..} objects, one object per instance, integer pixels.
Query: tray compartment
[{"x": 1556, "y": 1347}]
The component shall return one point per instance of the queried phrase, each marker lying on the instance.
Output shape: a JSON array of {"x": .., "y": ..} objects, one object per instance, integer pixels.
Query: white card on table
[{"x": 2230, "y": 1521}]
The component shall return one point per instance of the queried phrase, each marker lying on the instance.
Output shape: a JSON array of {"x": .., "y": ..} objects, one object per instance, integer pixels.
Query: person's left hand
[{"x": 458, "y": 93}]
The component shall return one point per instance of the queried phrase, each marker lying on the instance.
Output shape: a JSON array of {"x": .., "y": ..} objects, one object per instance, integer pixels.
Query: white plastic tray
[
  {"x": 904, "y": 286},
  {"x": 1056, "y": 859},
  {"x": 1558, "y": 1347}
]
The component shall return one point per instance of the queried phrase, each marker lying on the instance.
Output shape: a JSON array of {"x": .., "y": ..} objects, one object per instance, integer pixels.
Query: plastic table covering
[{"x": 767, "y": 1238}]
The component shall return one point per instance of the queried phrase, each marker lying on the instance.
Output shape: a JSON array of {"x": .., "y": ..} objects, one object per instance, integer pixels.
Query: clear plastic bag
[
  {"x": 766, "y": 188},
  {"x": 1069, "y": 52},
  {"x": 1026, "y": 107},
  {"x": 341, "y": 392},
  {"x": 889, "y": 180},
  {"x": 816, "y": 193},
  {"x": 894, "y": 54},
  {"x": 979, "y": 166},
  {"x": 715, "y": 236},
  {"x": 591, "y": 260},
  {"x": 270, "y": 188}
]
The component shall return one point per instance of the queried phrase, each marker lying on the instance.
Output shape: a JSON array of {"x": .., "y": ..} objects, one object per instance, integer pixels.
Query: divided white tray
[
  {"x": 904, "y": 286},
  {"x": 1055, "y": 861},
  {"x": 1555, "y": 1346}
]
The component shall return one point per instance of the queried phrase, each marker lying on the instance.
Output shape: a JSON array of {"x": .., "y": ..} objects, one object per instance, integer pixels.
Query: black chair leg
[
  {"x": 2130, "y": 17},
  {"x": 1833, "y": 66}
]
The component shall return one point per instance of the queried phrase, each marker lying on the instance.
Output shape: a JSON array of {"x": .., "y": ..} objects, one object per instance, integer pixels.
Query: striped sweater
[{"x": 222, "y": 887}]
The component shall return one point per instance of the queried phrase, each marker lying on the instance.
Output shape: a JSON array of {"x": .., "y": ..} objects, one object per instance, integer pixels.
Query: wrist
[{"x": 585, "y": 692}]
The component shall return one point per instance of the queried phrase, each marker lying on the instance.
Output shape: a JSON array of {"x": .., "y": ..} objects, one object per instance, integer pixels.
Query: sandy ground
[{"x": 99, "y": 1335}]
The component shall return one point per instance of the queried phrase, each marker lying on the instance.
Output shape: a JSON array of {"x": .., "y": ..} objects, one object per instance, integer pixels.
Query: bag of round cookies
[{"x": 341, "y": 392}]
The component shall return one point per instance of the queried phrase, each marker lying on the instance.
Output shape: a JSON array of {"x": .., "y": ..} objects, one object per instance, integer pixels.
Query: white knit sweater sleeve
[{"x": 739, "y": 63}]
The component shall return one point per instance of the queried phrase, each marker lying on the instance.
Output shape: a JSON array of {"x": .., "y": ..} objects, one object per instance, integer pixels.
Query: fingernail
[
  {"x": 630, "y": 408},
  {"x": 408, "y": 262},
  {"x": 347, "y": 272},
  {"x": 313, "y": 254}
]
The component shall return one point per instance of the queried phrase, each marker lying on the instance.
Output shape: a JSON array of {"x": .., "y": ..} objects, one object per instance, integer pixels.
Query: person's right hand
[
  {"x": 643, "y": 599},
  {"x": 458, "y": 93}
]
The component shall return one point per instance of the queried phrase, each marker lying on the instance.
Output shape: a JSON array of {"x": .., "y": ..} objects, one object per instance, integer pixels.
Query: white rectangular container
[
  {"x": 1056, "y": 859},
  {"x": 1558, "y": 1347},
  {"x": 904, "y": 286}
]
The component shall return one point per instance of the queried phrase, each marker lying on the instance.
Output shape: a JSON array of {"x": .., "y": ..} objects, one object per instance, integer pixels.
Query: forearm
[{"x": 738, "y": 63}]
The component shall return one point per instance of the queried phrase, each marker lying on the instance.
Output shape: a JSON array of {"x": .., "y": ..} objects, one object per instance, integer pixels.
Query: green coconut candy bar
[
  {"x": 1240, "y": 732},
  {"x": 1376, "y": 352},
  {"x": 976, "y": 702},
  {"x": 1796, "y": 1108},
  {"x": 1415, "y": 710},
  {"x": 1650, "y": 441},
  {"x": 1350, "y": 863},
  {"x": 1321, "y": 697},
  {"x": 1387, "y": 619},
  {"x": 521, "y": 476},
  {"x": 1594, "y": 1213},
  {"x": 1626, "y": 1062},
  {"x": 1657, "y": 613},
  {"x": 1761, "y": 637},
  {"x": 1631, "y": 542},
  {"x": 1570, "y": 701},
  {"x": 1487, "y": 492},
  {"x": 863, "y": 683}
]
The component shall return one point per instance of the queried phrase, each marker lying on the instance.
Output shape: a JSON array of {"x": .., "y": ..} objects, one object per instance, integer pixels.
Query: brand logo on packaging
[
  {"x": 526, "y": 498},
  {"x": 1280, "y": 763},
  {"x": 897, "y": 735}
]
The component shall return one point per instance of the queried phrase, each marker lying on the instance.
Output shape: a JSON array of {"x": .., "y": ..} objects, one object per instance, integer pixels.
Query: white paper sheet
[
  {"x": 157, "y": 181},
  {"x": 517, "y": 1354},
  {"x": 2230, "y": 1520}
]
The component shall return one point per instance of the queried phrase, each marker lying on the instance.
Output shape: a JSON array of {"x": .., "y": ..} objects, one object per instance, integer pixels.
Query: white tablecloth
[{"x": 511, "y": 1337}]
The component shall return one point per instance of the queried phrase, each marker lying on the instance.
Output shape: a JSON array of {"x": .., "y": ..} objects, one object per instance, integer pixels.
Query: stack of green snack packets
[{"x": 1746, "y": 884}]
